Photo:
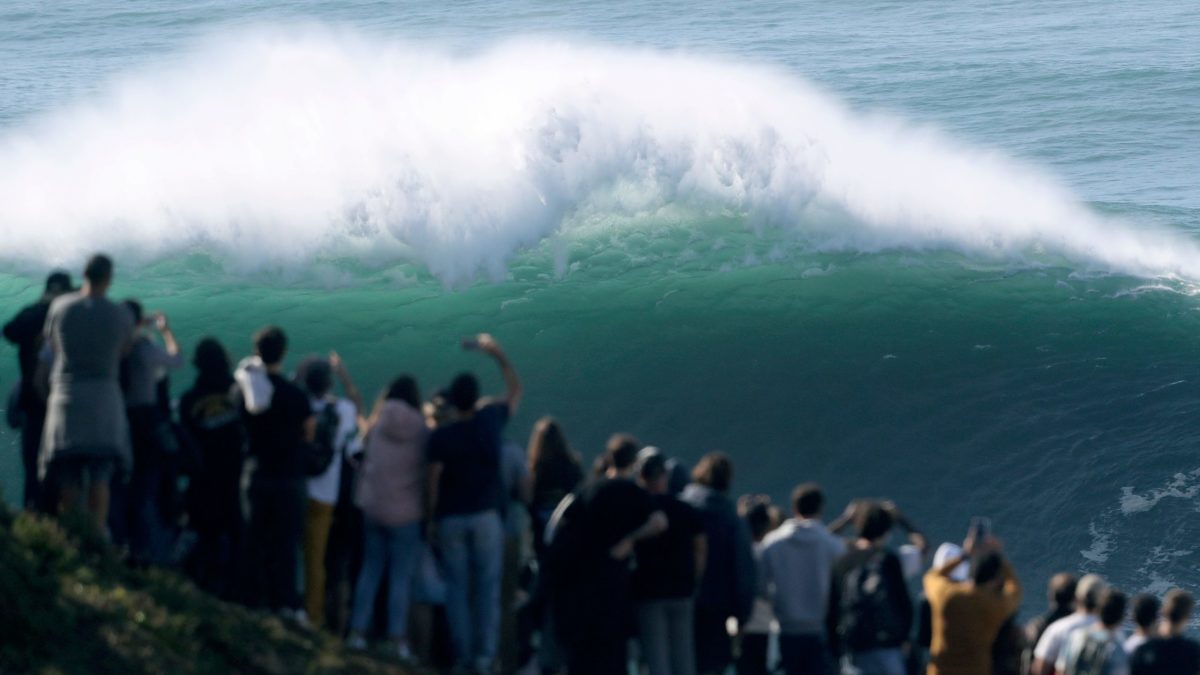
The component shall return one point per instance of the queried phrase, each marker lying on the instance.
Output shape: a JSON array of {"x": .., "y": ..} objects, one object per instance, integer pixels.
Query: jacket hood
[
  {"x": 398, "y": 421},
  {"x": 799, "y": 530}
]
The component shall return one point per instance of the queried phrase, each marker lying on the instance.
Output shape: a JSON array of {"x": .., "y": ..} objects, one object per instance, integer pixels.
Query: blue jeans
[
  {"x": 395, "y": 549},
  {"x": 472, "y": 549}
]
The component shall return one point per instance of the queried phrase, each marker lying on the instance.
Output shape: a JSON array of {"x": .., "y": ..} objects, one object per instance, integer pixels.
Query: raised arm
[
  {"x": 512, "y": 383},
  {"x": 915, "y": 537},
  {"x": 343, "y": 376}
]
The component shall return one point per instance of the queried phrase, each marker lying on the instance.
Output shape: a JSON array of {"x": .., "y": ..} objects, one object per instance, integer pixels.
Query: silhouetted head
[
  {"x": 211, "y": 360},
  {"x": 1177, "y": 607},
  {"x": 135, "y": 310},
  {"x": 1061, "y": 590},
  {"x": 1145, "y": 611},
  {"x": 1112, "y": 604},
  {"x": 270, "y": 344},
  {"x": 680, "y": 476},
  {"x": 620, "y": 453},
  {"x": 549, "y": 450},
  {"x": 57, "y": 283},
  {"x": 99, "y": 272},
  {"x": 873, "y": 522},
  {"x": 404, "y": 388},
  {"x": 463, "y": 393},
  {"x": 652, "y": 470},
  {"x": 1087, "y": 592},
  {"x": 316, "y": 374},
  {"x": 987, "y": 569},
  {"x": 808, "y": 500},
  {"x": 715, "y": 471},
  {"x": 756, "y": 511}
]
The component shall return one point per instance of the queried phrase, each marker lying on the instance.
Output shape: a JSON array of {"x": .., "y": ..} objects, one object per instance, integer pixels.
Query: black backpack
[
  {"x": 867, "y": 618},
  {"x": 323, "y": 449}
]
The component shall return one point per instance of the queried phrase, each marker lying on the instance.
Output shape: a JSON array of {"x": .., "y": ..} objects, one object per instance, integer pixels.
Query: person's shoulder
[{"x": 346, "y": 408}]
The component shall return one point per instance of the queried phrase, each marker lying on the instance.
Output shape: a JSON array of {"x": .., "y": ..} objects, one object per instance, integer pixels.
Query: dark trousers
[
  {"x": 714, "y": 647},
  {"x": 804, "y": 655},
  {"x": 276, "y": 525},
  {"x": 752, "y": 658},
  {"x": 598, "y": 637},
  {"x": 31, "y": 445}
]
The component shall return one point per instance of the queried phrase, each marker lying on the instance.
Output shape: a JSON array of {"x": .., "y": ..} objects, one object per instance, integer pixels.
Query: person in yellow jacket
[{"x": 967, "y": 615}]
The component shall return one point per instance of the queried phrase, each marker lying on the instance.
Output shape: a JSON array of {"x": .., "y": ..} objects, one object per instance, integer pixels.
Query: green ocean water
[{"x": 942, "y": 255}]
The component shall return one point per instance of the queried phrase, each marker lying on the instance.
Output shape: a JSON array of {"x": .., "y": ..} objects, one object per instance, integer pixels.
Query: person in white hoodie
[
  {"x": 797, "y": 565},
  {"x": 391, "y": 492}
]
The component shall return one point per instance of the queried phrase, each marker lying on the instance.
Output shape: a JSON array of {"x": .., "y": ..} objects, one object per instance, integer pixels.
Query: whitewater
[
  {"x": 946, "y": 255},
  {"x": 274, "y": 149}
]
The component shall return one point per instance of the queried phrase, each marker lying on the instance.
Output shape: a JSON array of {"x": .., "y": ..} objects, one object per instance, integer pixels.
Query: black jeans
[
  {"x": 752, "y": 659},
  {"x": 276, "y": 525},
  {"x": 804, "y": 655},
  {"x": 31, "y": 446}
]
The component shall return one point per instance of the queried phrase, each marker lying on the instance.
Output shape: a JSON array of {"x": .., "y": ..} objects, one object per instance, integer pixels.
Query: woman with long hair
[
  {"x": 212, "y": 421},
  {"x": 391, "y": 493},
  {"x": 555, "y": 469}
]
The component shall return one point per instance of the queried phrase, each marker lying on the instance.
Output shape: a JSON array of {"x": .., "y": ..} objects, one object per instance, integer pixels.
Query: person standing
[
  {"x": 593, "y": 537},
  {"x": 1171, "y": 652},
  {"x": 337, "y": 428},
  {"x": 26, "y": 331},
  {"x": 1087, "y": 597},
  {"x": 1097, "y": 650},
  {"x": 86, "y": 437},
  {"x": 730, "y": 579},
  {"x": 143, "y": 368},
  {"x": 797, "y": 563},
  {"x": 761, "y": 517},
  {"x": 1145, "y": 616},
  {"x": 210, "y": 417},
  {"x": 280, "y": 426},
  {"x": 870, "y": 611},
  {"x": 668, "y": 568},
  {"x": 465, "y": 492},
  {"x": 391, "y": 493},
  {"x": 966, "y": 616}
]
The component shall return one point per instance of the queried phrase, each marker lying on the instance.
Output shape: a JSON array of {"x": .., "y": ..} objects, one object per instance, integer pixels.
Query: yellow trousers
[{"x": 316, "y": 537}]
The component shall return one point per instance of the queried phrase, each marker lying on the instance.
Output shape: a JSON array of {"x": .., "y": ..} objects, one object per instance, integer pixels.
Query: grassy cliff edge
[{"x": 68, "y": 605}]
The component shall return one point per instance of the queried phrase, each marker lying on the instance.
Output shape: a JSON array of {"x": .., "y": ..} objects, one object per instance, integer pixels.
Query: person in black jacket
[
  {"x": 870, "y": 611},
  {"x": 25, "y": 332},
  {"x": 730, "y": 579},
  {"x": 212, "y": 420}
]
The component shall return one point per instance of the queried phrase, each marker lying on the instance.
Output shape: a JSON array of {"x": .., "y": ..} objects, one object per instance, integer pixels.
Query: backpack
[
  {"x": 1093, "y": 654},
  {"x": 867, "y": 618},
  {"x": 323, "y": 449}
]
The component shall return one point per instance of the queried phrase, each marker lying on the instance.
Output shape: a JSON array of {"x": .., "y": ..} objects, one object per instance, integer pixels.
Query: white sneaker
[{"x": 357, "y": 643}]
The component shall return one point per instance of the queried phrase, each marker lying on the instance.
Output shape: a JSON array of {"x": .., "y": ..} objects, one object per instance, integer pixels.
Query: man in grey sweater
[{"x": 797, "y": 565}]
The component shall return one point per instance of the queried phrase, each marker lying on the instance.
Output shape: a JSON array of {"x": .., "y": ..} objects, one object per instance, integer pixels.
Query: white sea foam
[{"x": 276, "y": 147}]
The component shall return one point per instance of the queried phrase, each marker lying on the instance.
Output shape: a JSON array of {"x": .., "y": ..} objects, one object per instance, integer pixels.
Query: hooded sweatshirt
[
  {"x": 797, "y": 563},
  {"x": 391, "y": 487},
  {"x": 730, "y": 572}
]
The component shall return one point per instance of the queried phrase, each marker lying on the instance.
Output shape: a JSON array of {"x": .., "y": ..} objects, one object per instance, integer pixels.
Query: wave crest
[{"x": 274, "y": 148}]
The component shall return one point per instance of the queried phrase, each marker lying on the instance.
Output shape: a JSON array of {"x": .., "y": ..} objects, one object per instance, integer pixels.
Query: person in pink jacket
[{"x": 391, "y": 493}]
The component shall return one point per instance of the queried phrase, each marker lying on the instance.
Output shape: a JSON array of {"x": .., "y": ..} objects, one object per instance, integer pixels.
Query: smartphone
[
  {"x": 981, "y": 529},
  {"x": 470, "y": 344}
]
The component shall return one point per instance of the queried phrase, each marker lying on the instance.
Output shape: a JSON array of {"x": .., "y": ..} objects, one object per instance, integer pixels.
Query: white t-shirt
[
  {"x": 324, "y": 488},
  {"x": 1132, "y": 642},
  {"x": 1054, "y": 640}
]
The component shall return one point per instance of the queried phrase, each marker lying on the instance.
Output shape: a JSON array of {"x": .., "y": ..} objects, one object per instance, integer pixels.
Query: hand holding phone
[{"x": 979, "y": 532}]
